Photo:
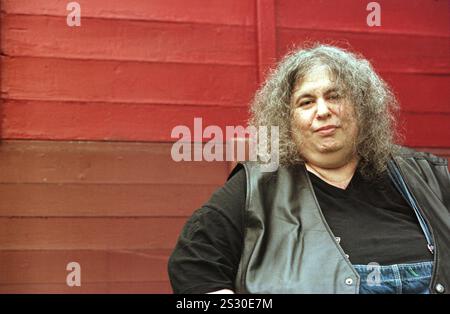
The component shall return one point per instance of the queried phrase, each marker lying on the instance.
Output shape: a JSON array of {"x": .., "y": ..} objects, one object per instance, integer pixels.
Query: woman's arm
[{"x": 207, "y": 254}]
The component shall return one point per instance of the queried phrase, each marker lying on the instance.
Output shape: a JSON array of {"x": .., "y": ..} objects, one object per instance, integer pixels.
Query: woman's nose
[{"x": 322, "y": 108}]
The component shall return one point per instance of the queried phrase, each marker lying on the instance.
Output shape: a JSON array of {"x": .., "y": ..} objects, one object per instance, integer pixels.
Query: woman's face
[{"x": 323, "y": 123}]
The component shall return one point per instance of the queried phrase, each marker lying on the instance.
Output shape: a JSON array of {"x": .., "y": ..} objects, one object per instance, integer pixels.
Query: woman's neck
[{"x": 338, "y": 177}]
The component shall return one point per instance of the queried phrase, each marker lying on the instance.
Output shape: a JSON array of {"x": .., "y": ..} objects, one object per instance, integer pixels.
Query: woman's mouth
[{"x": 327, "y": 130}]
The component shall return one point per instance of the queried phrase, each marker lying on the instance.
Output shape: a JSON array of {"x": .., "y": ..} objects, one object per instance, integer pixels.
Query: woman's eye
[
  {"x": 305, "y": 103},
  {"x": 334, "y": 96}
]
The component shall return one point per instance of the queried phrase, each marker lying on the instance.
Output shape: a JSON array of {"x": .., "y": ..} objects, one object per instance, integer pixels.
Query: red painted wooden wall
[{"x": 87, "y": 114}]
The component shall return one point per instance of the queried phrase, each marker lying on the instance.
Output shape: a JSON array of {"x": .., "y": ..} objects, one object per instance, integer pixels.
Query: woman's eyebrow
[
  {"x": 331, "y": 90},
  {"x": 304, "y": 95},
  {"x": 328, "y": 90}
]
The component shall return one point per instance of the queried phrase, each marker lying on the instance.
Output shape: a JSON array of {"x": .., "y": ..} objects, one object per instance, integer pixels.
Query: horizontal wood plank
[
  {"x": 421, "y": 93},
  {"x": 55, "y": 120},
  {"x": 426, "y": 130},
  {"x": 120, "y": 81},
  {"x": 101, "y": 287},
  {"x": 419, "y": 17},
  {"x": 102, "y": 200},
  {"x": 89, "y": 233},
  {"x": 58, "y": 120},
  {"x": 105, "y": 39},
  {"x": 113, "y": 266},
  {"x": 388, "y": 52},
  {"x": 102, "y": 162},
  {"x": 230, "y": 12}
]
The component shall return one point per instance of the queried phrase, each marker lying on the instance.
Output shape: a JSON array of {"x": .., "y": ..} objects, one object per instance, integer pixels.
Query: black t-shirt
[{"x": 371, "y": 218}]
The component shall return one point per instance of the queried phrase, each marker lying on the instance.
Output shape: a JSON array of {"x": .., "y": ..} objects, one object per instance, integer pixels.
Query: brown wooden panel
[
  {"x": 89, "y": 233},
  {"x": 106, "y": 200},
  {"x": 101, "y": 162},
  {"x": 112, "y": 39},
  {"x": 28, "y": 119},
  {"x": 35, "y": 266},
  {"x": 240, "y": 12},
  {"x": 108, "y": 287},
  {"x": 126, "y": 81}
]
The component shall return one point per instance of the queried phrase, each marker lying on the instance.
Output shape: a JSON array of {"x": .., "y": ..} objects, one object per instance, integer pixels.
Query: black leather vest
[{"x": 289, "y": 247}]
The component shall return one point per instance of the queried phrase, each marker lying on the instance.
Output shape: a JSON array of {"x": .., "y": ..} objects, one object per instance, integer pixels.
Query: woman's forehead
[{"x": 317, "y": 80}]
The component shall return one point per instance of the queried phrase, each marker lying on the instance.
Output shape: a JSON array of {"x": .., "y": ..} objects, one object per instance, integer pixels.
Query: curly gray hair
[{"x": 375, "y": 104}]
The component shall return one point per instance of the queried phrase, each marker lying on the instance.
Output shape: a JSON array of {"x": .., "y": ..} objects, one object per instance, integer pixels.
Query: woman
[{"x": 348, "y": 211}]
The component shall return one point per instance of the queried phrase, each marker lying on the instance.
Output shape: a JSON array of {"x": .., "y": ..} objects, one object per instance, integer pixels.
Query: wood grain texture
[
  {"x": 109, "y": 266},
  {"x": 426, "y": 130},
  {"x": 113, "y": 39},
  {"x": 419, "y": 17},
  {"x": 89, "y": 233},
  {"x": 53, "y": 120},
  {"x": 230, "y": 12},
  {"x": 105, "y": 200},
  {"x": 398, "y": 53},
  {"x": 120, "y": 81},
  {"x": 102, "y": 204},
  {"x": 92, "y": 288},
  {"x": 102, "y": 163},
  {"x": 59, "y": 120},
  {"x": 421, "y": 93},
  {"x": 267, "y": 45}
]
